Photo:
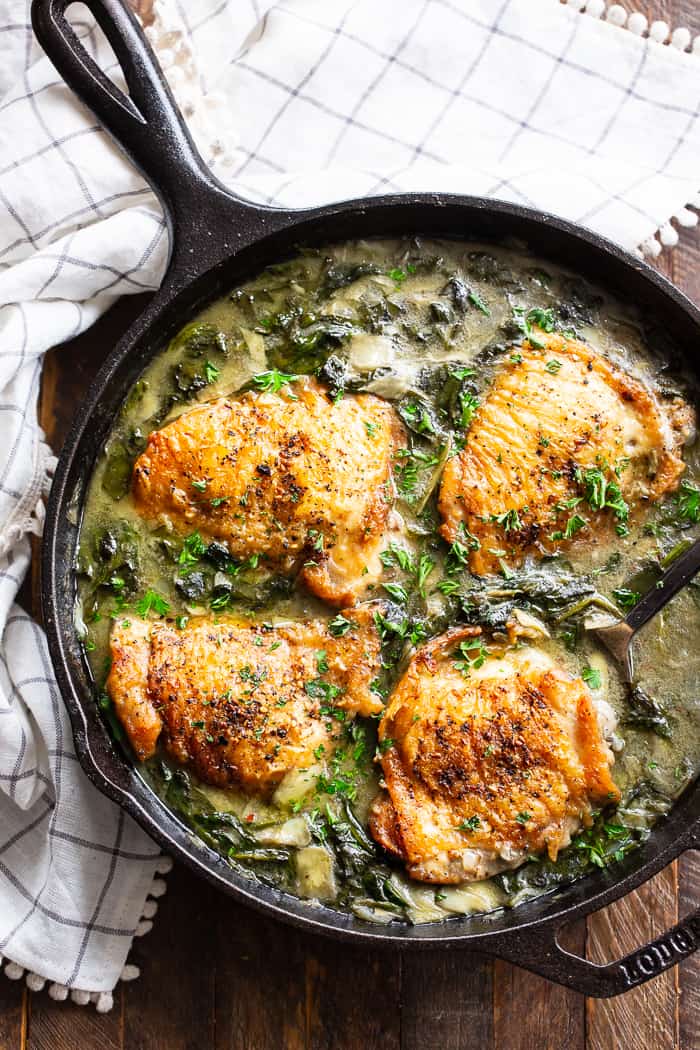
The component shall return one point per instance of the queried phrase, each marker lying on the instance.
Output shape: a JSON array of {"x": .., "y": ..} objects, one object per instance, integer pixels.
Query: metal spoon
[{"x": 617, "y": 637}]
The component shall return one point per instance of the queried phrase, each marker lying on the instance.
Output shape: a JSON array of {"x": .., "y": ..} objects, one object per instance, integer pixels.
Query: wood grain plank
[
  {"x": 279, "y": 987},
  {"x": 13, "y": 995},
  {"x": 646, "y": 1016},
  {"x": 689, "y": 970},
  {"x": 54, "y": 1026},
  {"x": 532, "y": 1012},
  {"x": 351, "y": 994},
  {"x": 171, "y": 1007},
  {"x": 446, "y": 1001}
]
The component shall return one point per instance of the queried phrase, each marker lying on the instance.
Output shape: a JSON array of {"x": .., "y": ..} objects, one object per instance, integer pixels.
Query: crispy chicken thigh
[
  {"x": 291, "y": 476},
  {"x": 483, "y": 769},
  {"x": 242, "y": 704},
  {"x": 556, "y": 420}
]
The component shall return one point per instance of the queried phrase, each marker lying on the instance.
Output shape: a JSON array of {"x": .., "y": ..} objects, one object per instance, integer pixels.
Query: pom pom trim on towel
[
  {"x": 661, "y": 33},
  {"x": 212, "y": 121},
  {"x": 103, "y": 1001}
]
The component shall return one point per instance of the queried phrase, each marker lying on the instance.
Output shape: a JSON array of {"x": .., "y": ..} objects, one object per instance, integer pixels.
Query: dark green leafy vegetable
[
  {"x": 646, "y": 712},
  {"x": 611, "y": 837}
]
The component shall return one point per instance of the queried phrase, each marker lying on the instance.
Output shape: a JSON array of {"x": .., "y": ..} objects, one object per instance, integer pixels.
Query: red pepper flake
[{"x": 250, "y": 817}]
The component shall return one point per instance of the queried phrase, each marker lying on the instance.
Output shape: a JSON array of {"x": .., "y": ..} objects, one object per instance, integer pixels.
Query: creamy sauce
[{"x": 383, "y": 317}]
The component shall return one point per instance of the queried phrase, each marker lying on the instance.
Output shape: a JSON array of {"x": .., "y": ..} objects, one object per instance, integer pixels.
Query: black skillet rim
[{"x": 499, "y": 933}]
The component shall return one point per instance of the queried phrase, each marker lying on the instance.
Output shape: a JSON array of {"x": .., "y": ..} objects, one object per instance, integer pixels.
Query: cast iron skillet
[{"x": 218, "y": 240}]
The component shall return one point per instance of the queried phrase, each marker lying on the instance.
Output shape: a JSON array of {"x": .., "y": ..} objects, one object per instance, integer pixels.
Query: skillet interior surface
[
  {"x": 218, "y": 241},
  {"x": 111, "y": 769}
]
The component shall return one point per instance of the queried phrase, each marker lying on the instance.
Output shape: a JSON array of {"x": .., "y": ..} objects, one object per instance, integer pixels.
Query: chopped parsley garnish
[
  {"x": 385, "y": 745},
  {"x": 522, "y": 818},
  {"x": 417, "y": 417},
  {"x": 211, "y": 372},
  {"x": 399, "y": 276},
  {"x": 602, "y": 494},
  {"x": 573, "y": 525},
  {"x": 469, "y": 655},
  {"x": 688, "y": 502},
  {"x": 321, "y": 661},
  {"x": 152, "y": 602},
  {"x": 597, "y": 846},
  {"x": 510, "y": 520},
  {"x": 274, "y": 380},
  {"x": 193, "y": 548},
  {"x": 395, "y": 555},
  {"x": 626, "y": 598},
  {"x": 448, "y": 587},
  {"x": 317, "y": 689},
  {"x": 476, "y": 300},
  {"x": 396, "y": 591},
  {"x": 458, "y": 554},
  {"x": 470, "y": 824},
  {"x": 371, "y": 428},
  {"x": 468, "y": 404},
  {"x": 413, "y": 631},
  {"x": 553, "y": 366},
  {"x": 200, "y": 486},
  {"x": 406, "y": 470},
  {"x": 544, "y": 319},
  {"x": 420, "y": 570},
  {"x": 339, "y": 626},
  {"x": 425, "y": 567},
  {"x": 591, "y": 677}
]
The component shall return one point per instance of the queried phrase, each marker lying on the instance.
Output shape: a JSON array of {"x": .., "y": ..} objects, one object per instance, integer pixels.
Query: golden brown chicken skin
[
  {"x": 483, "y": 768},
  {"x": 291, "y": 476},
  {"x": 553, "y": 414},
  {"x": 241, "y": 704}
]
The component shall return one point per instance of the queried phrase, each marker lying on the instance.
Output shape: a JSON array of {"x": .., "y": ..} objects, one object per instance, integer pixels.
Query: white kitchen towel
[{"x": 294, "y": 102}]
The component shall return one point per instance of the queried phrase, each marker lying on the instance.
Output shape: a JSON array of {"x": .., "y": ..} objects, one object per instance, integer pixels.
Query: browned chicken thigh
[
  {"x": 242, "y": 704},
  {"x": 564, "y": 446},
  {"x": 292, "y": 476},
  {"x": 486, "y": 758}
]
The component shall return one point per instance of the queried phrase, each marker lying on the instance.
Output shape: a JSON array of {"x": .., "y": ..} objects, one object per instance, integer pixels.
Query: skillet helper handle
[
  {"x": 678, "y": 575},
  {"x": 538, "y": 950},
  {"x": 147, "y": 124}
]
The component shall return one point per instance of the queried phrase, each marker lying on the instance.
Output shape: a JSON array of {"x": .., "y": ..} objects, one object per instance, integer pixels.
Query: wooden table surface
[{"x": 214, "y": 974}]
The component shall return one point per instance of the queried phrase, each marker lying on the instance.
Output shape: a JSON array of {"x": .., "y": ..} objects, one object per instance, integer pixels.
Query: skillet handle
[
  {"x": 538, "y": 950},
  {"x": 147, "y": 124}
]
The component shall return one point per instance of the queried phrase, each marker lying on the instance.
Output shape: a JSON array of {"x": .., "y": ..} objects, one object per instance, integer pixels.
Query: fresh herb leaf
[
  {"x": 152, "y": 601},
  {"x": 469, "y": 655},
  {"x": 193, "y": 548},
  {"x": 626, "y": 598},
  {"x": 476, "y": 300},
  {"x": 591, "y": 677},
  {"x": 274, "y": 380},
  {"x": 211, "y": 372},
  {"x": 396, "y": 591},
  {"x": 339, "y": 626},
  {"x": 688, "y": 502},
  {"x": 509, "y": 520}
]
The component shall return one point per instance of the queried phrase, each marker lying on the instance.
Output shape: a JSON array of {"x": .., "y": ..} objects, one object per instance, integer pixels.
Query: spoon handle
[{"x": 676, "y": 577}]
